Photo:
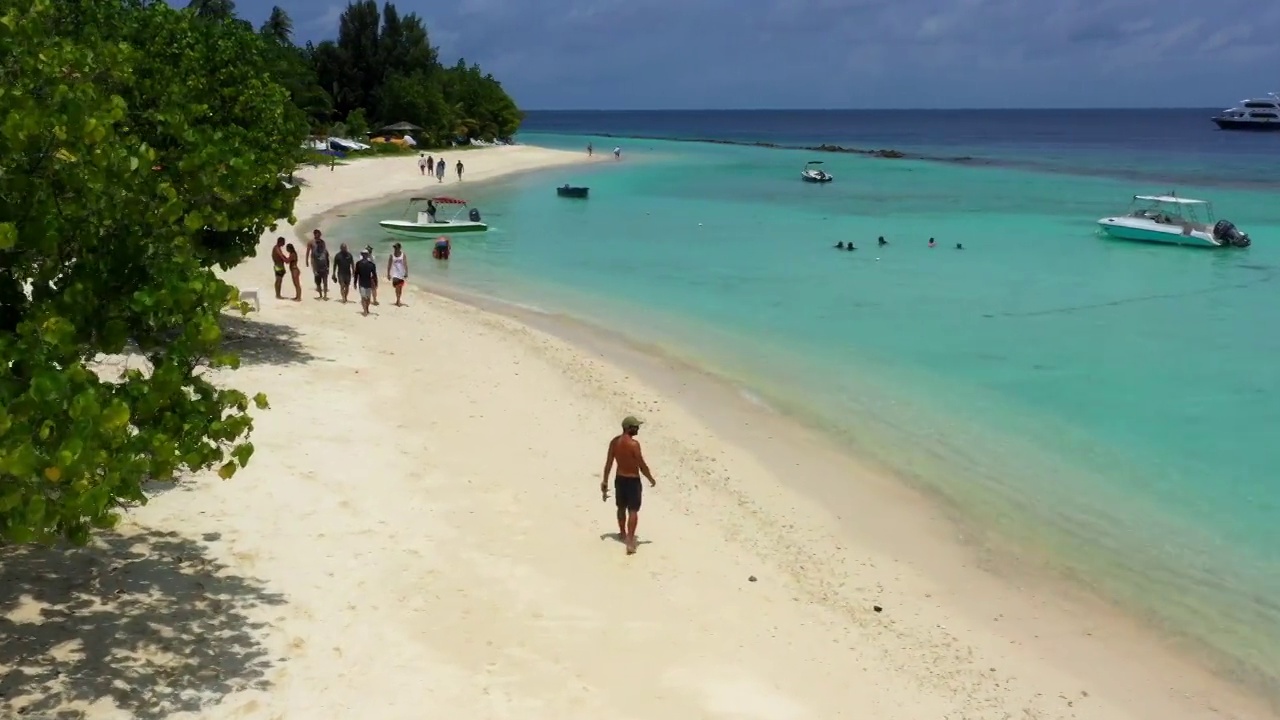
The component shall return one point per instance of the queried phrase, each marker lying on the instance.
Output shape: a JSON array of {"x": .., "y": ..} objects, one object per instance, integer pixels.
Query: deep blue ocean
[{"x": 1113, "y": 407}]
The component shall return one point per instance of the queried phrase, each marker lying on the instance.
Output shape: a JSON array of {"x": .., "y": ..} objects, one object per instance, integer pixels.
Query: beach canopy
[
  {"x": 1171, "y": 199},
  {"x": 401, "y": 127}
]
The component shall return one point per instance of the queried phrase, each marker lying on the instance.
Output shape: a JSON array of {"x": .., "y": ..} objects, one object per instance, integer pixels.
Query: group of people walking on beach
[
  {"x": 342, "y": 267},
  {"x": 428, "y": 163}
]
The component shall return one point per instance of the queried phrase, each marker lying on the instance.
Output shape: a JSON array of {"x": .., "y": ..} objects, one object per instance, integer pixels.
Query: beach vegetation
[
  {"x": 222, "y": 10},
  {"x": 141, "y": 149},
  {"x": 383, "y": 68}
]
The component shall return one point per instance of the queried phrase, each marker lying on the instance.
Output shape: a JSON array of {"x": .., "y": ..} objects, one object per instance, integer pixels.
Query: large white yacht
[{"x": 1252, "y": 114}]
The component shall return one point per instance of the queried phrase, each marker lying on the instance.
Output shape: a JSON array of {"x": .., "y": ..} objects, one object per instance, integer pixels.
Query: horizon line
[{"x": 851, "y": 109}]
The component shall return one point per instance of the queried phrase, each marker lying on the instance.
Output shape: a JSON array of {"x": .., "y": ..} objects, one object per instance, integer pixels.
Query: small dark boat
[{"x": 572, "y": 192}]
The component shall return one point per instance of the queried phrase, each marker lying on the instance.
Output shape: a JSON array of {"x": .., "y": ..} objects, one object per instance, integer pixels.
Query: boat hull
[
  {"x": 1254, "y": 125},
  {"x": 1118, "y": 229},
  {"x": 572, "y": 192},
  {"x": 814, "y": 179},
  {"x": 411, "y": 230}
]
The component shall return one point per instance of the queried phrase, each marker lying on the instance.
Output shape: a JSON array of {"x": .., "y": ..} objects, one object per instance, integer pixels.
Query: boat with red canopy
[{"x": 429, "y": 223}]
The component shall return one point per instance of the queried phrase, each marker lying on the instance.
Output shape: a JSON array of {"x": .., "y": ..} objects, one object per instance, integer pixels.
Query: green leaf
[
  {"x": 21, "y": 461},
  {"x": 242, "y": 453},
  {"x": 8, "y": 235},
  {"x": 210, "y": 332},
  {"x": 260, "y": 401},
  {"x": 36, "y": 506},
  {"x": 227, "y": 471},
  {"x": 115, "y": 416}
]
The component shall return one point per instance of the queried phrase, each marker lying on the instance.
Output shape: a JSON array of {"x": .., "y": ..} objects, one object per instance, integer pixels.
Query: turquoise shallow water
[{"x": 1112, "y": 405}]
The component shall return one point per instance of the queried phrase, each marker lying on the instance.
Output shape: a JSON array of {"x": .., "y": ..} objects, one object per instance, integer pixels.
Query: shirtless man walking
[{"x": 625, "y": 450}]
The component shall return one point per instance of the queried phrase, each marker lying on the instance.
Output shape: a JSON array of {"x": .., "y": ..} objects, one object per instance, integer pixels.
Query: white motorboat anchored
[
  {"x": 814, "y": 174},
  {"x": 429, "y": 226},
  {"x": 1251, "y": 114},
  {"x": 1173, "y": 220}
]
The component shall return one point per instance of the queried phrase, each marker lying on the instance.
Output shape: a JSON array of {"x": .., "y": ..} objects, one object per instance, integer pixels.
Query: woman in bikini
[{"x": 292, "y": 256}]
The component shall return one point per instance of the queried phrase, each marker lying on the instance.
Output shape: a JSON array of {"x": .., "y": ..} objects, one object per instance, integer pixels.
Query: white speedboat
[
  {"x": 815, "y": 174},
  {"x": 1173, "y": 220},
  {"x": 1251, "y": 114},
  {"x": 427, "y": 226}
]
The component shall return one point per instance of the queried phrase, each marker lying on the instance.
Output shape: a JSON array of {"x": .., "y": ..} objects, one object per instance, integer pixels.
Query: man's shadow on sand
[
  {"x": 147, "y": 622},
  {"x": 617, "y": 537}
]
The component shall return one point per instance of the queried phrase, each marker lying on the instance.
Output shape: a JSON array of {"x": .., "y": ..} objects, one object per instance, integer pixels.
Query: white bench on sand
[{"x": 250, "y": 295}]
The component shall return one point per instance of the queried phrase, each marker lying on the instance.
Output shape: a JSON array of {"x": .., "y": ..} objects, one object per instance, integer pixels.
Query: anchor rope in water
[{"x": 1268, "y": 276}]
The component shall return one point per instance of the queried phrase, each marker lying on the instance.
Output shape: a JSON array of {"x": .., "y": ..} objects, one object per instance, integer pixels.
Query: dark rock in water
[
  {"x": 877, "y": 608},
  {"x": 883, "y": 153},
  {"x": 825, "y": 147},
  {"x": 751, "y": 579},
  {"x": 888, "y": 154}
]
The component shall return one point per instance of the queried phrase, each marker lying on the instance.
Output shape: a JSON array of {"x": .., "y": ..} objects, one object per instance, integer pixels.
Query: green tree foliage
[
  {"x": 383, "y": 65},
  {"x": 278, "y": 26},
  {"x": 213, "y": 9},
  {"x": 292, "y": 68},
  {"x": 357, "y": 124},
  {"x": 140, "y": 148}
]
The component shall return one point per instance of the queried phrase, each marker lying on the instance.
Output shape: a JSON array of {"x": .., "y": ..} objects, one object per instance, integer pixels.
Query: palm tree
[
  {"x": 213, "y": 9},
  {"x": 279, "y": 26}
]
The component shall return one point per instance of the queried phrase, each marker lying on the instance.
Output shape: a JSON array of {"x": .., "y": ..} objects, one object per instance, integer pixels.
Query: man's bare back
[{"x": 626, "y": 453}]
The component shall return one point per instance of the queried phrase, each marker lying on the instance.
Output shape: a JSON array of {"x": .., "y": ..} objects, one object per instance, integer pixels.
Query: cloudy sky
[{"x": 641, "y": 54}]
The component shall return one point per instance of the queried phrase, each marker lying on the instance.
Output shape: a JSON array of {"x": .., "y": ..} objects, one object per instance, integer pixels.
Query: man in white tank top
[{"x": 397, "y": 270}]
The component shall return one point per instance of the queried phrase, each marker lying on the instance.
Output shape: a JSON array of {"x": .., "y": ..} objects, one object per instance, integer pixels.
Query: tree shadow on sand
[
  {"x": 146, "y": 621},
  {"x": 263, "y": 343}
]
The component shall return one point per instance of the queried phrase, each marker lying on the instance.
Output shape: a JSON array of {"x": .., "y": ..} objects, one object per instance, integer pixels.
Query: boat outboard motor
[
  {"x": 474, "y": 215},
  {"x": 1225, "y": 232}
]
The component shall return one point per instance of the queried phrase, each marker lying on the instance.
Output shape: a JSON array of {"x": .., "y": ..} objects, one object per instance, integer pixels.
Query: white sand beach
[{"x": 420, "y": 534}]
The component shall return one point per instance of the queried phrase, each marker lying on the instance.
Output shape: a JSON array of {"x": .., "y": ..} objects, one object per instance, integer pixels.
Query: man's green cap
[{"x": 631, "y": 421}]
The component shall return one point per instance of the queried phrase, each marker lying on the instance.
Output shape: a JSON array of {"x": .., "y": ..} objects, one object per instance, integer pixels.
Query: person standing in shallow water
[{"x": 627, "y": 488}]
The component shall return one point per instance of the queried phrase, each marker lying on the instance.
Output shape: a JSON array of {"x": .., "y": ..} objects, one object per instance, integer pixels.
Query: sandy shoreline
[{"x": 420, "y": 532}]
